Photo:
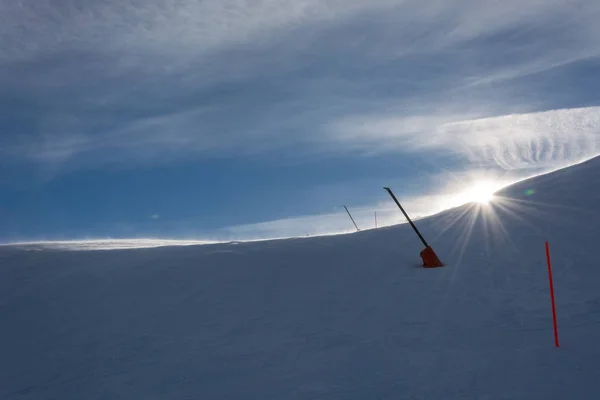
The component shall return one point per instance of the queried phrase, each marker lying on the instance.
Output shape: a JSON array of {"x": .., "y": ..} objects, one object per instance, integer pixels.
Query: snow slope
[{"x": 340, "y": 317}]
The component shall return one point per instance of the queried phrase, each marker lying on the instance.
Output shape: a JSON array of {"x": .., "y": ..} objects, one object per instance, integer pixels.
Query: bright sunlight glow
[
  {"x": 481, "y": 192},
  {"x": 477, "y": 191}
]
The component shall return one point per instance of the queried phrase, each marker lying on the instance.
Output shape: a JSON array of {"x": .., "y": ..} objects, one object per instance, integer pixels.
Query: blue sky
[{"x": 238, "y": 119}]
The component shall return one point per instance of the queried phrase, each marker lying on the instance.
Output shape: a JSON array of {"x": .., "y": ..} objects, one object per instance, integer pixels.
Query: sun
[{"x": 481, "y": 192}]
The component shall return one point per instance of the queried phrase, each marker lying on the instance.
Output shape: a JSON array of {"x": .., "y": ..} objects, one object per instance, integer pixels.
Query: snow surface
[{"x": 340, "y": 317}]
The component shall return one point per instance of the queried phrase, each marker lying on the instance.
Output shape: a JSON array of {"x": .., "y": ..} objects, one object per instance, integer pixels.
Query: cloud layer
[{"x": 127, "y": 81}]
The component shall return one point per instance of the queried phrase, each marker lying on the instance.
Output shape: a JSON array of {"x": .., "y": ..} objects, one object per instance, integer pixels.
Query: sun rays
[{"x": 491, "y": 222}]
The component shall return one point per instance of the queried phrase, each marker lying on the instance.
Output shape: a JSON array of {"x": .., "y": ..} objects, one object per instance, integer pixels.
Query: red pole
[{"x": 552, "y": 295}]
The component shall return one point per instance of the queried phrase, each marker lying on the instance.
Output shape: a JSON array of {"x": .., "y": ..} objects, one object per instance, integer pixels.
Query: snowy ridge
[
  {"x": 106, "y": 244},
  {"x": 338, "y": 317}
]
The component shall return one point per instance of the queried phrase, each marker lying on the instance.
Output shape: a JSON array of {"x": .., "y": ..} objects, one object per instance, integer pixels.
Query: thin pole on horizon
[
  {"x": 375, "y": 219},
  {"x": 350, "y": 215}
]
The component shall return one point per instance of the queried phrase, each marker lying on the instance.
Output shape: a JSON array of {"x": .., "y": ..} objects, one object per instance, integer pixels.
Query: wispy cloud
[
  {"x": 144, "y": 81},
  {"x": 166, "y": 27},
  {"x": 540, "y": 139}
]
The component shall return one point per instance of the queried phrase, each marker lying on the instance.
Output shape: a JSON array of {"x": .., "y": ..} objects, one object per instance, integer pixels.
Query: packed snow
[{"x": 339, "y": 317}]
